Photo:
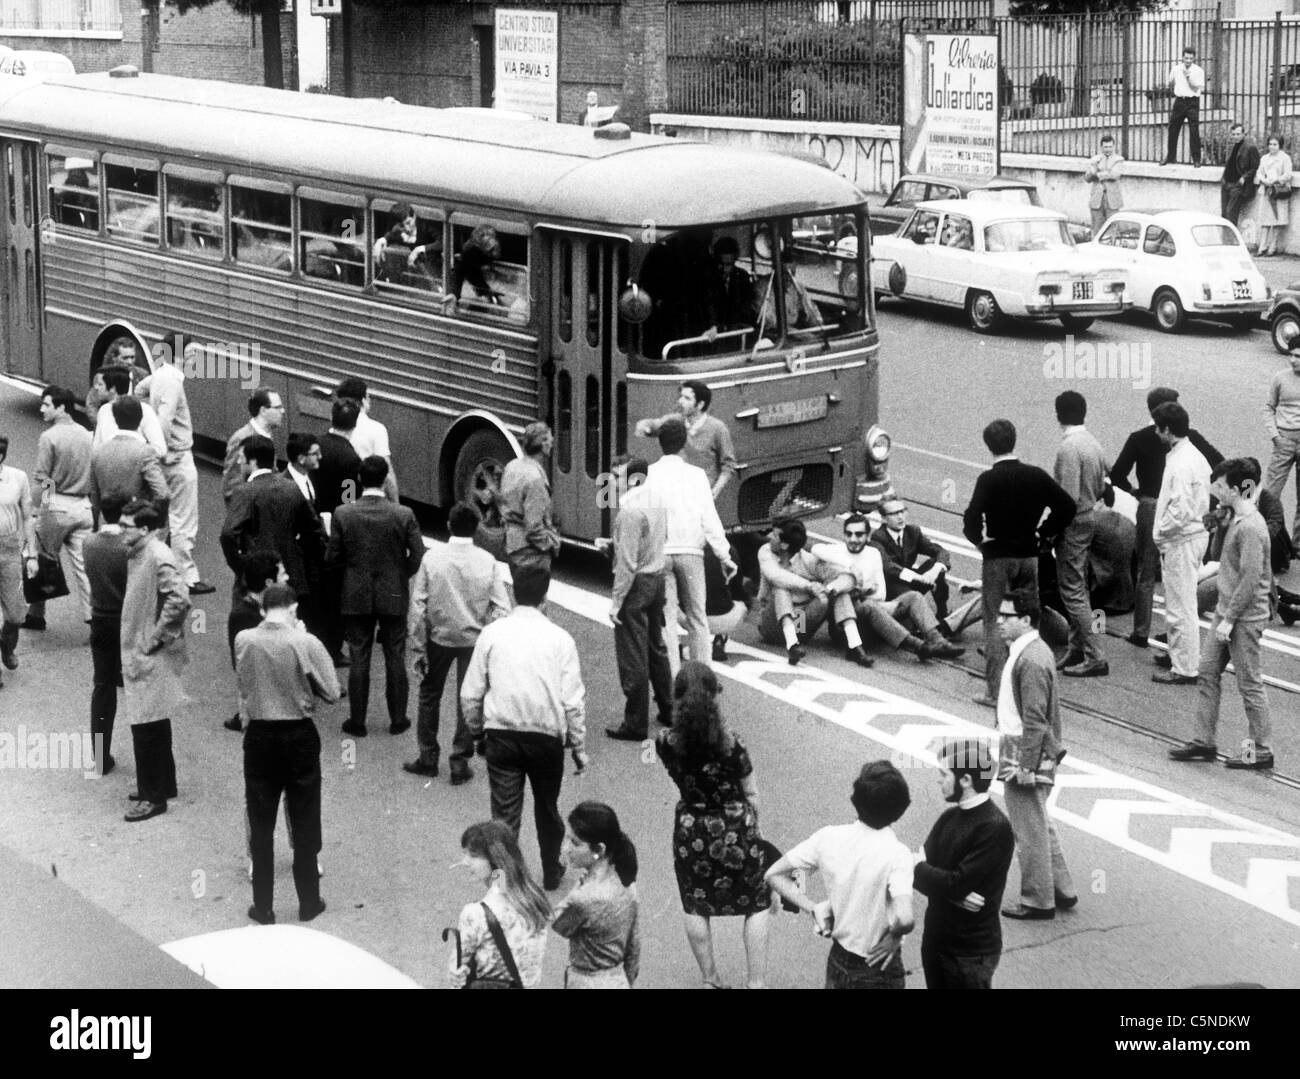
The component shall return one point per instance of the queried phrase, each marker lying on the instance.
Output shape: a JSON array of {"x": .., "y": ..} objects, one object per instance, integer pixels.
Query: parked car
[
  {"x": 1284, "y": 318},
  {"x": 35, "y": 64},
  {"x": 995, "y": 260},
  {"x": 1184, "y": 264},
  {"x": 929, "y": 186}
]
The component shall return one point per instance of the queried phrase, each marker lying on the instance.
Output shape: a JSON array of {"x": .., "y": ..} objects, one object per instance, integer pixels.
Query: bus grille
[{"x": 798, "y": 492}]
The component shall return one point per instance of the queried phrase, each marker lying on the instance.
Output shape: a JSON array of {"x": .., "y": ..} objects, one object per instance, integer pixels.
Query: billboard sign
[
  {"x": 528, "y": 62},
  {"x": 950, "y": 104}
]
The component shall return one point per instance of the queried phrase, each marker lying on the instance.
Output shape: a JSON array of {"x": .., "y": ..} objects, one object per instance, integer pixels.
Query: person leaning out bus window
[{"x": 475, "y": 262}]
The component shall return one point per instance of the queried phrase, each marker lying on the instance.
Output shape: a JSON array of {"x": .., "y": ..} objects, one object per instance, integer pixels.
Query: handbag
[
  {"x": 1280, "y": 191},
  {"x": 48, "y": 581},
  {"x": 499, "y": 939}
]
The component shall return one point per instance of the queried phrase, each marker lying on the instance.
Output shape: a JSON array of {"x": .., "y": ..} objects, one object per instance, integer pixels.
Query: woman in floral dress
[{"x": 717, "y": 850}]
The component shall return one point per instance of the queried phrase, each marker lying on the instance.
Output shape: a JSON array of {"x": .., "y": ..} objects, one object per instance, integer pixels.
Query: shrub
[{"x": 1046, "y": 89}]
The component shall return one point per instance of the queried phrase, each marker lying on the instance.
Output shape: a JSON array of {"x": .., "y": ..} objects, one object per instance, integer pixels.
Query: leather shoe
[
  {"x": 351, "y": 728},
  {"x": 401, "y": 726},
  {"x": 234, "y": 723},
  {"x": 1137, "y": 640},
  {"x": 1193, "y": 751},
  {"x": 622, "y": 734},
  {"x": 1164, "y": 660},
  {"x": 144, "y": 810},
  {"x": 8, "y": 658},
  {"x": 201, "y": 588},
  {"x": 460, "y": 776},
  {"x": 1070, "y": 659},
  {"x": 1260, "y": 764},
  {"x": 1022, "y": 913},
  {"x": 720, "y": 649},
  {"x": 1066, "y": 902},
  {"x": 306, "y": 914},
  {"x": 261, "y": 917},
  {"x": 1173, "y": 678},
  {"x": 859, "y": 656},
  {"x": 941, "y": 650},
  {"x": 1098, "y": 668},
  {"x": 419, "y": 768},
  {"x": 794, "y": 654}
]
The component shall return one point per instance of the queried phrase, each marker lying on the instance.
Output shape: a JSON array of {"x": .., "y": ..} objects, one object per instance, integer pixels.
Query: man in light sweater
[
  {"x": 1245, "y": 581},
  {"x": 1080, "y": 470},
  {"x": 61, "y": 494},
  {"x": 1179, "y": 533},
  {"x": 117, "y": 384},
  {"x": 523, "y": 696},
  {"x": 682, "y": 490},
  {"x": 1282, "y": 420}
]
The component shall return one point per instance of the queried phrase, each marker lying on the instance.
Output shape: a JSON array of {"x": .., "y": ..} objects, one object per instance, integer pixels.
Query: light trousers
[
  {"x": 684, "y": 593},
  {"x": 183, "y": 512},
  {"x": 1179, "y": 565},
  {"x": 1043, "y": 872},
  {"x": 1243, "y": 648}
]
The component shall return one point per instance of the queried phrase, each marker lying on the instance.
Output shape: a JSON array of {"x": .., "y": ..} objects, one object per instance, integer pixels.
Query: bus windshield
[{"x": 751, "y": 286}]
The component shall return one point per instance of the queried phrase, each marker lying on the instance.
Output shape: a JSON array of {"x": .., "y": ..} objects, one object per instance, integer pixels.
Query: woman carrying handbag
[{"x": 1274, "y": 178}]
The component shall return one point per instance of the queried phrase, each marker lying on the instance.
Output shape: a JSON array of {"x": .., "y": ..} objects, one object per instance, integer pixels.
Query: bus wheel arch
[
  {"x": 475, "y": 450},
  {"x": 106, "y": 336}
]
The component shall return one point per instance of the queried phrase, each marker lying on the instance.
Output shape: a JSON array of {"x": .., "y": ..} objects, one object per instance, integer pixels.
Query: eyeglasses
[{"x": 855, "y": 534}]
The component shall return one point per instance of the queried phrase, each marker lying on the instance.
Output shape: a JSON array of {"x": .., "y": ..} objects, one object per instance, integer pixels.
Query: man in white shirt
[
  {"x": 1179, "y": 534},
  {"x": 682, "y": 490},
  {"x": 370, "y": 437},
  {"x": 867, "y": 873},
  {"x": 1187, "y": 82},
  {"x": 523, "y": 696},
  {"x": 265, "y": 415},
  {"x": 117, "y": 383}
]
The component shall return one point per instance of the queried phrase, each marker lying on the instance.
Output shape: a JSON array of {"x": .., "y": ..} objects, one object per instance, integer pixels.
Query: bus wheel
[{"x": 477, "y": 478}]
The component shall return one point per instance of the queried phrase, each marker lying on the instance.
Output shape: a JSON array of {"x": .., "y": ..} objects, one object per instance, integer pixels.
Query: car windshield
[
  {"x": 1010, "y": 196},
  {"x": 1039, "y": 234},
  {"x": 1215, "y": 236}
]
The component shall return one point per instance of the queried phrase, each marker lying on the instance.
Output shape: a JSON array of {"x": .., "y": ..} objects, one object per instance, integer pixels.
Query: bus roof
[{"x": 549, "y": 171}]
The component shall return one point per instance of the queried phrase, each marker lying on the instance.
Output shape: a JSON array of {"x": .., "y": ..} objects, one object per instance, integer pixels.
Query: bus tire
[{"x": 476, "y": 478}]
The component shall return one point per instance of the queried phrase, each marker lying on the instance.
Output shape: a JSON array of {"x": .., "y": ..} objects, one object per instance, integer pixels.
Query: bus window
[
  {"x": 489, "y": 275},
  {"x": 408, "y": 248},
  {"x": 818, "y": 287},
  {"x": 566, "y": 289},
  {"x": 621, "y": 278},
  {"x": 595, "y": 267},
  {"x": 564, "y": 429},
  {"x": 260, "y": 227},
  {"x": 591, "y": 440},
  {"x": 196, "y": 219},
  {"x": 332, "y": 240},
  {"x": 74, "y": 190},
  {"x": 677, "y": 273},
  {"x": 132, "y": 200}
]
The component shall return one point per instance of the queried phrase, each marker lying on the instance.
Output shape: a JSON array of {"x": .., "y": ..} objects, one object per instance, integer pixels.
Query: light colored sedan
[
  {"x": 1184, "y": 264},
  {"x": 993, "y": 261}
]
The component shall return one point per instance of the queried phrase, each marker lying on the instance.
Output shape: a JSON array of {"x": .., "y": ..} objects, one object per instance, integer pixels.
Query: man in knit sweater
[
  {"x": 962, "y": 871},
  {"x": 1282, "y": 420},
  {"x": 1245, "y": 580}
]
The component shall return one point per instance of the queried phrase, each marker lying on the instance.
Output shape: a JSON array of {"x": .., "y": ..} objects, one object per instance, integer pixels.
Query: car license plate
[
  {"x": 1082, "y": 290},
  {"x": 1241, "y": 290},
  {"x": 784, "y": 413}
]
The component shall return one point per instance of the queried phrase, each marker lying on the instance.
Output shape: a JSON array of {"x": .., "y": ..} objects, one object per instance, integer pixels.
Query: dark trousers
[
  {"x": 155, "y": 767},
  {"x": 283, "y": 757},
  {"x": 1189, "y": 109},
  {"x": 106, "y": 662},
  {"x": 512, "y": 757},
  {"x": 641, "y": 653},
  {"x": 1234, "y": 199},
  {"x": 327, "y": 597},
  {"x": 844, "y": 970},
  {"x": 944, "y": 970},
  {"x": 431, "y": 687},
  {"x": 360, "y": 630},
  {"x": 1000, "y": 576}
]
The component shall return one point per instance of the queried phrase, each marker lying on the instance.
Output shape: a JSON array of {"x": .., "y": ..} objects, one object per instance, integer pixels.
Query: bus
[{"x": 479, "y": 273}]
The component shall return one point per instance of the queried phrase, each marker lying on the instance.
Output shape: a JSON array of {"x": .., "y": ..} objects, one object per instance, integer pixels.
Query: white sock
[
  {"x": 788, "y": 630},
  {"x": 851, "y": 635}
]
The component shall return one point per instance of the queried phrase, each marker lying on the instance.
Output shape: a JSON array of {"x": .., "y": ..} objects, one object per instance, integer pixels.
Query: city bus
[{"x": 479, "y": 273}]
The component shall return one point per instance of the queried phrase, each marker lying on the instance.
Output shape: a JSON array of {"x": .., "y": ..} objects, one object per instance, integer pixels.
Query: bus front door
[
  {"x": 588, "y": 386},
  {"x": 20, "y": 335}
]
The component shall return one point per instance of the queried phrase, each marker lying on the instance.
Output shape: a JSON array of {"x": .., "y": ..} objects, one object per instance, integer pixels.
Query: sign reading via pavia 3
[{"x": 528, "y": 62}]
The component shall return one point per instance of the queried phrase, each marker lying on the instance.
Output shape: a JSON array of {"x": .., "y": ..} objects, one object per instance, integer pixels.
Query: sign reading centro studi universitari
[
  {"x": 528, "y": 62},
  {"x": 950, "y": 104}
]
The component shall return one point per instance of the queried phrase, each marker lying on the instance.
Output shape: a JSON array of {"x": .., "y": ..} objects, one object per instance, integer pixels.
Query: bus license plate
[
  {"x": 1083, "y": 290},
  {"x": 784, "y": 413}
]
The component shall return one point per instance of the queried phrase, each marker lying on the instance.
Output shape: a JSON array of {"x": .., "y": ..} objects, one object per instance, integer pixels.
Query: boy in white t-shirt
[{"x": 867, "y": 871}]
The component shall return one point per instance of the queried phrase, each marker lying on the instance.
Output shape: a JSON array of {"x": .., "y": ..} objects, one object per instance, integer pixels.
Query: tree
[{"x": 269, "y": 12}]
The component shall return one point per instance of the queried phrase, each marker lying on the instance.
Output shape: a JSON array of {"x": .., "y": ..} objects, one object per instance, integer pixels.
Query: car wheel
[
  {"x": 982, "y": 312},
  {"x": 1168, "y": 309},
  {"x": 1075, "y": 323},
  {"x": 476, "y": 478},
  {"x": 1285, "y": 328}
]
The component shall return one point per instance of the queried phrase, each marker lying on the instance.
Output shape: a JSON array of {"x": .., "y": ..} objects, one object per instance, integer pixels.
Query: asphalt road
[{"x": 1189, "y": 874}]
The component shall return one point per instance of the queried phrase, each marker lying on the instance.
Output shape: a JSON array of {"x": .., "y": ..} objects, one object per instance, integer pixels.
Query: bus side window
[
  {"x": 260, "y": 228},
  {"x": 132, "y": 196},
  {"x": 406, "y": 259},
  {"x": 332, "y": 238},
  {"x": 489, "y": 273},
  {"x": 196, "y": 216},
  {"x": 74, "y": 191}
]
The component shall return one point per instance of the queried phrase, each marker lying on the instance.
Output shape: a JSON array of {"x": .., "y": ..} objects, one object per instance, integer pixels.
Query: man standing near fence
[
  {"x": 1187, "y": 81},
  {"x": 1102, "y": 174},
  {"x": 1237, "y": 184}
]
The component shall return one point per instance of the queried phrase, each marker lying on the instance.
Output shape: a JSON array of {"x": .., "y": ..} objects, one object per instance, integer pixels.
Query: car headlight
[{"x": 878, "y": 444}]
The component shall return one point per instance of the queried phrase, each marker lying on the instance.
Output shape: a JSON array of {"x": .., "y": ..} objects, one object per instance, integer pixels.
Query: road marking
[{"x": 939, "y": 456}]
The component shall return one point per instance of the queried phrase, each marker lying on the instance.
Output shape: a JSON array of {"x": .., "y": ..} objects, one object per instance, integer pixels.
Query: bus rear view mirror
[{"x": 635, "y": 305}]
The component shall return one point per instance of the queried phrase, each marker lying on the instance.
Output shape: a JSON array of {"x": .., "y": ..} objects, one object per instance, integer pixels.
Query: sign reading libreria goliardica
[
  {"x": 528, "y": 62},
  {"x": 950, "y": 104}
]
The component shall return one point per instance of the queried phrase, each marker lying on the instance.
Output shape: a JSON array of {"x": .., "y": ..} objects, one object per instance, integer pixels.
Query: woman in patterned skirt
[{"x": 717, "y": 851}]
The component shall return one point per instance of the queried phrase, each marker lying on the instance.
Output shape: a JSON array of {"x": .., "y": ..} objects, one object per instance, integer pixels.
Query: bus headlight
[{"x": 878, "y": 446}]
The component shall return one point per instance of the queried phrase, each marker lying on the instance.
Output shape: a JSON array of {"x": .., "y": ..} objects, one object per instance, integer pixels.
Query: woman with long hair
[
  {"x": 717, "y": 848},
  {"x": 599, "y": 917},
  {"x": 514, "y": 901},
  {"x": 1274, "y": 179}
]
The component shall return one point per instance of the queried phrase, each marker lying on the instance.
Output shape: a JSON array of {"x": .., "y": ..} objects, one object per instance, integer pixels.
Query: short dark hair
[
  {"x": 373, "y": 472},
  {"x": 1189, "y": 48},
  {"x": 535, "y": 436},
  {"x": 59, "y": 397},
  {"x": 880, "y": 795},
  {"x": 259, "y": 450},
  {"x": 116, "y": 378},
  {"x": 1000, "y": 437},
  {"x": 1235, "y": 471},
  {"x": 403, "y": 209},
  {"x": 463, "y": 519},
  {"x": 1158, "y": 395},
  {"x": 856, "y": 519},
  {"x": 1071, "y": 407},
  {"x": 531, "y": 584},
  {"x": 257, "y": 569},
  {"x": 300, "y": 442},
  {"x": 1172, "y": 417},
  {"x": 969, "y": 757},
  {"x": 672, "y": 435},
  {"x": 146, "y": 514},
  {"x": 110, "y": 508},
  {"x": 792, "y": 532},
  {"x": 703, "y": 395},
  {"x": 259, "y": 399},
  {"x": 726, "y": 245},
  {"x": 1107, "y": 137},
  {"x": 127, "y": 413},
  {"x": 277, "y": 597},
  {"x": 637, "y": 466},
  {"x": 354, "y": 388},
  {"x": 344, "y": 413},
  {"x": 1025, "y": 604}
]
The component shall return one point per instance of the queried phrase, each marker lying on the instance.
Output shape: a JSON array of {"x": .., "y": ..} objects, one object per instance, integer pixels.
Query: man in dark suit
[
  {"x": 126, "y": 467},
  {"x": 733, "y": 288},
  {"x": 268, "y": 513},
  {"x": 335, "y": 477},
  {"x": 377, "y": 545},
  {"x": 1237, "y": 184},
  {"x": 913, "y": 563},
  {"x": 265, "y": 415}
]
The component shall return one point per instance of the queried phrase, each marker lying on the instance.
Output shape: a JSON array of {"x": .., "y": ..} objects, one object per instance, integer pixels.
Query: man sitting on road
[{"x": 913, "y": 562}]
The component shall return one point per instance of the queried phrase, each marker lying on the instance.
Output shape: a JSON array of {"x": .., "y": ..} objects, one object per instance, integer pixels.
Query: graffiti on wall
[{"x": 867, "y": 161}]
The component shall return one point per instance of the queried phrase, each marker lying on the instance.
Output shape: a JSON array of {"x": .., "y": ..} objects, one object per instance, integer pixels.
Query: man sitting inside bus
[
  {"x": 408, "y": 254},
  {"x": 733, "y": 288},
  {"x": 801, "y": 313}
]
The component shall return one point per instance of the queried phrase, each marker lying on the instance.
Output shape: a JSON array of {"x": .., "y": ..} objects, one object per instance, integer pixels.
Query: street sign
[
  {"x": 950, "y": 104},
  {"x": 327, "y": 7},
  {"x": 528, "y": 62}
]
